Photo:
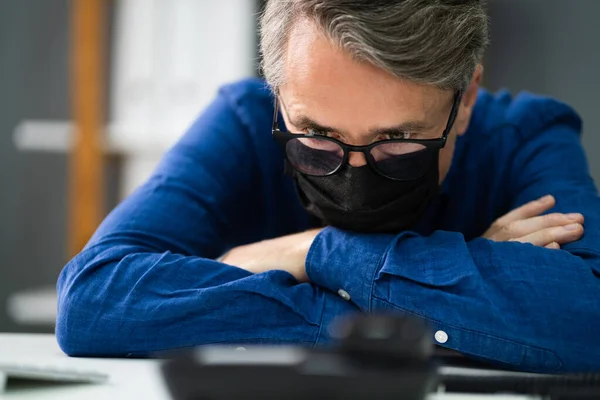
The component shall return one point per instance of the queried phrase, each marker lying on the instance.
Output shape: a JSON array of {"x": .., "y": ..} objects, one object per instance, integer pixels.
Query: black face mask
[{"x": 359, "y": 199}]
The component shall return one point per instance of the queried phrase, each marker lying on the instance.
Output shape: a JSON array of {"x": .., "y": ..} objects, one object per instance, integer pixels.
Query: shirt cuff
[
  {"x": 334, "y": 309},
  {"x": 346, "y": 263}
]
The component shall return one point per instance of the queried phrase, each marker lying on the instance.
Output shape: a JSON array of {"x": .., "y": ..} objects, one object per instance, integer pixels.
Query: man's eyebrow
[
  {"x": 405, "y": 127},
  {"x": 304, "y": 122}
]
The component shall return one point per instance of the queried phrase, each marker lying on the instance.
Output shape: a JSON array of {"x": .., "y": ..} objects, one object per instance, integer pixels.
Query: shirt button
[
  {"x": 441, "y": 337},
  {"x": 343, "y": 294}
]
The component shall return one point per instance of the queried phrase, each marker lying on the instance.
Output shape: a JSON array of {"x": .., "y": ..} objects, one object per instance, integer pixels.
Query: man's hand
[
  {"x": 526, "y": 225},
  {"x": 287, "y": 253}
]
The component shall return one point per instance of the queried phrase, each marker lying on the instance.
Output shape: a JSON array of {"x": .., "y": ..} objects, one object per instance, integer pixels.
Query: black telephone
[{"x": 376, "y": 357}]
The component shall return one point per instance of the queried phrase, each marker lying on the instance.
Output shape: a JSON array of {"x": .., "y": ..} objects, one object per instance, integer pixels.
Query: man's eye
[
  {"x": 399, "y": 135},
  {"x": 315, "y": 132}
]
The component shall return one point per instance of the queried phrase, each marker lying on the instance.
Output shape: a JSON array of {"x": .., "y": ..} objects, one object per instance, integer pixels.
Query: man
[{"x": 407, "y": 189}]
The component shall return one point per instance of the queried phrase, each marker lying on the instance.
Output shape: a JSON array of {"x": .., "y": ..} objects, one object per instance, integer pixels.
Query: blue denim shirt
[{"x": 148, "y": 280}]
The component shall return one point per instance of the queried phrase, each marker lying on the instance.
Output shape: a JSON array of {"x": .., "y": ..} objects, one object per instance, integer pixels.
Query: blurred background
[{"x": 93, "y": 91}]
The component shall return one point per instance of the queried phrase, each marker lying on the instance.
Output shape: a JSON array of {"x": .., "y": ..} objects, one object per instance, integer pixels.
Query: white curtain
[{"x": 170, "y": 57}]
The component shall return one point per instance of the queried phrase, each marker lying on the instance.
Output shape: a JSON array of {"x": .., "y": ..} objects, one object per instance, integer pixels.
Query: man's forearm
[
  {"x": 127, "y": 300},
  {"x": 511, "y": 303}
]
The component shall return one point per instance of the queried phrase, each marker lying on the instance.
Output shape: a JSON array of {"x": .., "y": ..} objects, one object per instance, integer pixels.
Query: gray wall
[
  {"x": 33, "y": 82},
  {"x": 550, "y": 47}
]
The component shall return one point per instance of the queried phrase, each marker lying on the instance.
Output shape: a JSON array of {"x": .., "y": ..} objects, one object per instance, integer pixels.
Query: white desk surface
[{"x": 129, "y": 379}]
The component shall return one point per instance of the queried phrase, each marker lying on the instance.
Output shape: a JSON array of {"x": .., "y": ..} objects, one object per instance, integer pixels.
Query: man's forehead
[
  {"x": 318, "y": 72},
  {"x": 301, "y": 99}
]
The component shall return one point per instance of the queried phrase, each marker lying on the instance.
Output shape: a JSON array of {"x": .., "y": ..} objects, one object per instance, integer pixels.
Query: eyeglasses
[{"x": 396, "y": 159}]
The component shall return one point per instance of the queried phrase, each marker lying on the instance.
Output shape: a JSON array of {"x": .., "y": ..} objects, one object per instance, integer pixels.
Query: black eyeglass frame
[{"x": 436, "y": 144}]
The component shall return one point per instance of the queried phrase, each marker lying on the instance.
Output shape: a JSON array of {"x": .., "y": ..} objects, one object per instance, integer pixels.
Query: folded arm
[{"x": 147, "y": 281}]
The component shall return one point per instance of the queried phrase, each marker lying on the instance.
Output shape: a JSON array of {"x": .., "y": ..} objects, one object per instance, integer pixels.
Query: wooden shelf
[{"x": 51, "y": 136}]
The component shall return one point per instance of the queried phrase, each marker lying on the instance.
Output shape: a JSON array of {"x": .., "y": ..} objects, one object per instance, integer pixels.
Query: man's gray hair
[{"x": 434, "y": 42}]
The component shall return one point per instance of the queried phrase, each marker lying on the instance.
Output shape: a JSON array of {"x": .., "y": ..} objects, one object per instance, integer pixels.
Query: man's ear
[{"x": 468, "y": 102}]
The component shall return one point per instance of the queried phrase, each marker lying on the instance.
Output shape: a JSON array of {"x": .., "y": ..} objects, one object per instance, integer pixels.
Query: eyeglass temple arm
[
  {"x": 453, "y": 112},
  {"x": 276, "y": 113}
]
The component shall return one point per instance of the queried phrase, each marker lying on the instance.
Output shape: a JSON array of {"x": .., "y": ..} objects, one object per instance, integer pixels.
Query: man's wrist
[{"x": 299, "y": 252}]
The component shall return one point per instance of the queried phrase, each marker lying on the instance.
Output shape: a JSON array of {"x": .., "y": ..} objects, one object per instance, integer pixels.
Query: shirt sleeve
[
  {"x": 513, "y": 304},
  {"x": 148, "y": 281}
]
